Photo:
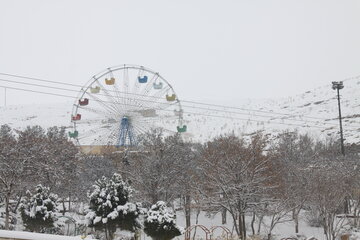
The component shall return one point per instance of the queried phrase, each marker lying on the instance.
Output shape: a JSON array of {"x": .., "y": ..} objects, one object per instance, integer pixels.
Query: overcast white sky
[{"x": 209, "y": 50}]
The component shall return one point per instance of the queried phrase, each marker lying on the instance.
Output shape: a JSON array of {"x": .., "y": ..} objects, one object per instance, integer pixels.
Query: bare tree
[
  {"x": 293, "y": 152},
  {"x": 329, "y": 189},
  {"x": 235, "y": 176},
  {"x": 152, "y": 168},
  {"x": 12, "y": 169}
]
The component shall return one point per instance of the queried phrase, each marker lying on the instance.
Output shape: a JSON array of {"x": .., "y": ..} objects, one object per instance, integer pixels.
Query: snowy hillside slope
[{"x": 314, "y": 111}]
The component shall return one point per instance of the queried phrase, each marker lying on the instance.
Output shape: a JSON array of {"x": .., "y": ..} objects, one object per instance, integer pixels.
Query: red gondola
[
  {"x": 84, "y": 102},
  {"x": 76, "y": 118}
]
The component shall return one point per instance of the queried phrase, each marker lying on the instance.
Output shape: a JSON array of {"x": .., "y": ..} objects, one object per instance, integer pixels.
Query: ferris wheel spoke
[
  {"x": 160, "y": 93},
  {"x": 111, "y": 136},
  {"x": 96, "y": 111},
  {"x": 117, "y": 92},
  {"x": 140, "y": 103},
  {"x": 91, "y": 132},
  {"x": 126, "y": 87},
  {"x": 164, "y": 106},
  {"x": 159, "y": 121},
  {"x": 105, "y": 104},
  {"x": 143, "y": 122},
  {"x": 138, "y": 132},
  {"x": 93, "y": 121},
  {"x": 136, "y": 86},
  {"x": 110, "y": 98},
  {"x": 147, "y": 88},
  {"x": 100, "y": 136},
  {"x": 153, "y": 102},
  {"x": 118, "y": 101},
  {"x": 141, "y": 129},
  {"x": 136, "y": 93},
  {"x": 158, "y": 96},
  {"x": 133, "y": 104},
  {"x": 147, "y": 124}
]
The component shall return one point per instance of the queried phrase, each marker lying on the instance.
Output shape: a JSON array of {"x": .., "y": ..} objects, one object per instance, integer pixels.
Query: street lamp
[{"x": 337, "y": 86}]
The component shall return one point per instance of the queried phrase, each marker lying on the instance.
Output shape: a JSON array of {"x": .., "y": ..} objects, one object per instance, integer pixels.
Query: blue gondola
[{"x": 142, "y": 79}]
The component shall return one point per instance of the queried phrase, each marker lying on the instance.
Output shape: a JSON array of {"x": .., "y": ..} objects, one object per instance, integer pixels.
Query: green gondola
[
  {"x": 74, "y": 134},
  {"x": 181, "y": 129}
]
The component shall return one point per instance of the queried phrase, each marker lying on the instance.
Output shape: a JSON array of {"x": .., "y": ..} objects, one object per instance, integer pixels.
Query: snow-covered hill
[{"x": 314, "y": 111}]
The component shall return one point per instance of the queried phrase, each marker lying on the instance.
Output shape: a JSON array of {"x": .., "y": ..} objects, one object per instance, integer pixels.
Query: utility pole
[{"x": 337, "y": 86}]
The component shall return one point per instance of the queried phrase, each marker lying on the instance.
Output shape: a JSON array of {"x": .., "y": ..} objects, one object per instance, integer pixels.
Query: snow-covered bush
[
  {"x": 12, "y": 220},
  {"x": 38, "y": 210},
  {"x": 160, "y": 223},
  {"x": 110, "y": 207}
]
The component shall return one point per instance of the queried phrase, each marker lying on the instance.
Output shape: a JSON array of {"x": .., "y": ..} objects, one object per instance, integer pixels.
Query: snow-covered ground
[
  {"x": 281, "y": 231},
  {"x": 36, "y": 236}
]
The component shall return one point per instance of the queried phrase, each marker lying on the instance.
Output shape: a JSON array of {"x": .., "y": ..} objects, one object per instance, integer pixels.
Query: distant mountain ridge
[{"x": 315, "y": 112}]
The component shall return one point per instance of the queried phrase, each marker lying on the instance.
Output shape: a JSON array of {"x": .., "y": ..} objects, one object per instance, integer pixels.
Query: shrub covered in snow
[
  {"x": 110, "y": 207},
  {"x": 12, "y": 221},
  {"x": 38, "y": 210},
  {"x": 160, "y": 223}
]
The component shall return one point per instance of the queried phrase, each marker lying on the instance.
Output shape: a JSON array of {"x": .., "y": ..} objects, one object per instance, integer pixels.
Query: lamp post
[{"x": 337, "y": 86}]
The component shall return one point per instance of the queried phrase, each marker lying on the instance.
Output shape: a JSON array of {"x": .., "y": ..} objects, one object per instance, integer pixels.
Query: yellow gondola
[
  {"x": 110, "y": 81},
  {"x": 170, "y": 98}
]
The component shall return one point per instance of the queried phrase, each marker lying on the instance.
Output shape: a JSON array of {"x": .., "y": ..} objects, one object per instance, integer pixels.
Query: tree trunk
[
  {"x": 296, "y": 224},
  {"x": 64, "y": 207},
  {"x": 355, "y": 217},
  {"x": 196, "y": 222},
  {"x": 188, "y": 211},
  {"x": 17, "y": 204},
  {"x": 69, "y": 202},
  {"x": 235, "y": 221},
  {"x": 346, "y": 205},
  {"x": 244, "y": 226},
  {"x": 7, "y": 211},
  {"x": 259, "y": 226},
  {"x": 223, "y": 216},
  {"x": 296, "y": 219},
  {"x": 253, "y": 223},
  {"x": 242, "y": 229}
]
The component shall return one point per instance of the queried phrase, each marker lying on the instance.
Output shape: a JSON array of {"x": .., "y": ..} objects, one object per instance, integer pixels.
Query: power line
[
  {"x": 39, "y": 79},
  {"x": 184, "y": 101},
  {"x": 351, "y": 78},
  {"x": 143, "y": 100},
  {"x": 187, "y": 112}
]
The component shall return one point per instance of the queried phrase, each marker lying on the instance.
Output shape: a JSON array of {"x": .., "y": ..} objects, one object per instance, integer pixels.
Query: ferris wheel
[{"x": 120, "y": 103}]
